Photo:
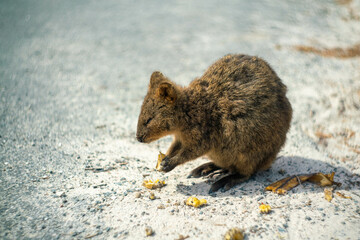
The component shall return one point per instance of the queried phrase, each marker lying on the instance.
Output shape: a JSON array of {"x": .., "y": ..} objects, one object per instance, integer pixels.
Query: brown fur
[{"x": 236, "y": 114}]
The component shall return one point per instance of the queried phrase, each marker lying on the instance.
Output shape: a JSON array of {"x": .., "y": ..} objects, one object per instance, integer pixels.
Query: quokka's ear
[
  {"x": 167, "y": 92},
  {"x": 156, "y": 78}
]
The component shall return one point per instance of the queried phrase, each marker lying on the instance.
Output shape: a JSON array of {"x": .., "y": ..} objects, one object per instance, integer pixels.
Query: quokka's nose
[{"x": 140, "y": 138}]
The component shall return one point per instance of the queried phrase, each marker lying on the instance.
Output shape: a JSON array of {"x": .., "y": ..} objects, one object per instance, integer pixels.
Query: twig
[{"x": 298, "y": 180}]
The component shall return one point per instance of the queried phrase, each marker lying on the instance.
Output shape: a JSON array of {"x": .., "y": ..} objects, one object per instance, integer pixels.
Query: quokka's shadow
[{"x": 281, "y": 168}]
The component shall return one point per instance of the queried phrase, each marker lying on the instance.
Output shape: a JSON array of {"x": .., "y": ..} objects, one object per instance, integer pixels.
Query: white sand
[{"x": 324, "y": 93}]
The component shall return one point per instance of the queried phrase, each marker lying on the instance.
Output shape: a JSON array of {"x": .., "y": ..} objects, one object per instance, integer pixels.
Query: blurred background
[{"x": 73, "y": 75}]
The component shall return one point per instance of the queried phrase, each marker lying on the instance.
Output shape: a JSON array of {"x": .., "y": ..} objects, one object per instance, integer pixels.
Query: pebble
[
  {"x": 137, "y": 195},
  {"x": 259, "y": 198}
]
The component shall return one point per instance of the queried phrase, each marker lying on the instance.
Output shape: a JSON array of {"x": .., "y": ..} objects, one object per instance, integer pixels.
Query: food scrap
[
  {"x": 342, "y": 195},
  {"x": 234, "y": 234},
  {"x": 265, "y": 208},
  {"x": 152, "y": 196},
  {"x": 153, "y": 185},
  {"x": 193, "y": 201},
  {"x": 288, "y": 183},
  {"x": 149, "y": 231},
  {"x": 328, "y": 193},
  {"x": 161, "y": 156}
]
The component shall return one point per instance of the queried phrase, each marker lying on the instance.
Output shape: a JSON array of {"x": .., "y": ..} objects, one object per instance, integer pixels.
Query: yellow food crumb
[
  {"x": 152, "y": 196},
  {"x": 264, "y": 208},
  {"x": 161, "y": 156},
  {"x": 149, "y": 231},
  {"x": 153, "y": 185},
  {"x": 234, "y": 234},
  {"x": 195, "y": 202}
]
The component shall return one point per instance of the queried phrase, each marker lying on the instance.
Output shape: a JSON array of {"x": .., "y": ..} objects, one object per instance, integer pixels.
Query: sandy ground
[{"x": 72, "y": 79}]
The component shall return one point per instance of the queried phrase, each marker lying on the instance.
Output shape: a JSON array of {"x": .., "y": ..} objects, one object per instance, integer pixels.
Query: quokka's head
[{"x": 158, "y": 116}]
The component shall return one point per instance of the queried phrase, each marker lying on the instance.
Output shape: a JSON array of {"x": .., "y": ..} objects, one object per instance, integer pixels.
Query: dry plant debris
[
  {"x": 343, "y": 2},
  {"x": 193, "y": 201},
  {"x": 265, "y": 208},
  {"x": 153, "y": 184},
  {"x": 342, "y": 195},
  {"x": 337, "y": 52},
  {"x": 234, "y": 234},
  {"x": 288, "y": 183},
  {"x": 328, "y": 193},
  {"x": 161, "y": 156},
  {"x": 182, "y": 237}
]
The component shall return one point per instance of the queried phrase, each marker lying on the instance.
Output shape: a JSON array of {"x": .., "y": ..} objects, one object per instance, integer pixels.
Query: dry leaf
[
  {"x": 161, "y": 156},
  {"x": 322, "y": 135},
  {"x": 323, "y": 180},
  {"x": 328, "y": 193},
  {"x": 342, "y": 195},
  {"x": 288, "y": 183}
]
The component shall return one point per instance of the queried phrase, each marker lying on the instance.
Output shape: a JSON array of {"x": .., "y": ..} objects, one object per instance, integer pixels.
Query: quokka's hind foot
[
  {"x": 228, "y": 182},
  {"x": 203, "y": 170}
]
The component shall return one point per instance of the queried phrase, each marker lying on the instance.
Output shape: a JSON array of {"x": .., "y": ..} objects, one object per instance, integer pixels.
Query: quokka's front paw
[{"x": 167, "y": 164}]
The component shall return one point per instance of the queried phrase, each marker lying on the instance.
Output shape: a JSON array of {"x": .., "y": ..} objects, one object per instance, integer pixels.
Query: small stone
[
  {"x": 137, "y": 194},
  {"x": 259, "y": 198},
  {"x": 161, "y": 206}
]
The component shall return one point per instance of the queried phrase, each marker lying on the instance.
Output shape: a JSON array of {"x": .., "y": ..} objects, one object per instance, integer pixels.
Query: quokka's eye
[
  {"x": 148, "y": 121},
  {"x": 162, "y": 106}
]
